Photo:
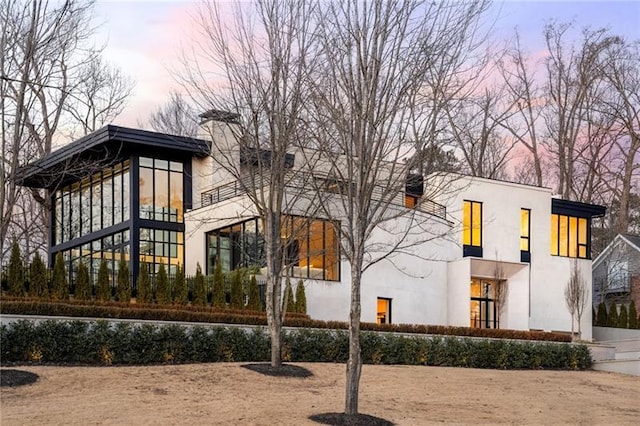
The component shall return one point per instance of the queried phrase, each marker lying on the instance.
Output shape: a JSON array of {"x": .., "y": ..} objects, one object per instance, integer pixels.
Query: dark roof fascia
[
  {"x": 576, "y": 208},
  {"x": 196, "y": 147}
]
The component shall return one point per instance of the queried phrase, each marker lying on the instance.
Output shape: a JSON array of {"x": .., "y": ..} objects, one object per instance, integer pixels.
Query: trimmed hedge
[
  {"x": 193, "y": 313},
  {"x": 98, "y": 342}
]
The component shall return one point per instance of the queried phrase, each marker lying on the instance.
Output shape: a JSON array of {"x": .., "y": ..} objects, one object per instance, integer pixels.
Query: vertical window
[
  {"x": 483, "y": 308},
  {"x": 525, "y": 235},
  {"x": 569, "y": 236},
  {"x": 161, "y": 190},
  {"x": 410, "y": 201},
  {"x": 384, "y": 311},
  {"x": 472, "y": 228}
]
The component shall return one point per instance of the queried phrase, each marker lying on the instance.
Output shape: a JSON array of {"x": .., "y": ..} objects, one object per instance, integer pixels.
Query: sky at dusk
[{"x": 145, "y": 38}]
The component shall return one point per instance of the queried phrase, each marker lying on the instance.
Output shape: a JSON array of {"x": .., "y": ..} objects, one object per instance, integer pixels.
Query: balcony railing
[{"x": 238, "y": 187}]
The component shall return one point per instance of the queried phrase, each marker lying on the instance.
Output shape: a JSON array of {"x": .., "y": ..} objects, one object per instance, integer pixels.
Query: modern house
[
  {"x": 159, "y": 199},
  {"x": 616, "y": 271}
]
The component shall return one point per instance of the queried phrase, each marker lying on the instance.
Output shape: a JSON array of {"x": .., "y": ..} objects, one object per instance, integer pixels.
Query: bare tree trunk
[{"x": 354, "y": 363}]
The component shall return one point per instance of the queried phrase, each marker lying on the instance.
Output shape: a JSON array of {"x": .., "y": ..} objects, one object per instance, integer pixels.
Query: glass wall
[
  {"x": 311, "y": 247},
  {"x": 161, "y": 190},
  {"x": 111, "y": 248},
  {"x": 569, "y": 236},
  {"x": 92, "y": 204},
  {"x": 158, "y": 246}
]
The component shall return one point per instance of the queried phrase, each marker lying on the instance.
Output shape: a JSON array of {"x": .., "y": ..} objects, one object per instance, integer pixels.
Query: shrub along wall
[
  {"x": 126, "y": 344},
  {"x": 154, "y": 312}
]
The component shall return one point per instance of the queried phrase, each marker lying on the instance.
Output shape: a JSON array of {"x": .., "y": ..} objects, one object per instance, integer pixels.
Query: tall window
[
  {"x": 94, "y": 203},
  {"x": 161, "y": 190},
  {"x": 310, "y": 247},
  {"x": 525, "y": 235},
  {"x": 472, "y": 228},
  {"x": 569, "y": 236},
  {"x": 158, "y": 246},
  {"x": 483, "y": 308},
  {"x": 384, "y": 311}
]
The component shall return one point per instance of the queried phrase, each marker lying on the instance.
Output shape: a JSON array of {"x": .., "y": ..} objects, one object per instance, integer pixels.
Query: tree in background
[
  {"x": 176, "y": 117},
  {"x": 16, "y": 272},
  {"x": 60, "y": 284},
  {"x": 500, "y": 290},
  {"x": 123, "y": 293},
  {"x": 255, "y": 304},
  {"x": 83, "y": 283},
  {"x": 103, "y": 291},
  {"x": 576, "y": 296},
  {"x": 163, "y": 289},
  {"x": 144, "y": 290},
  {"x": 301, "y": 298},
  {"x": 180, "y": 289},
  {"x": 199, "y": 288},
  {"x": 219, "y": 297},
  {"x": 38, "y": 277}
]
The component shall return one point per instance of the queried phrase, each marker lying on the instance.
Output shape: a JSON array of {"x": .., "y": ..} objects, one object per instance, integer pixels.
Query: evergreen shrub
[
  {"x": 612, "y": 315},
  {"x": 602, "y": 320},
  {"x": 38, "y": 278},
  {"x": 103, "y": 289},
  {"x": 60, "y": 283},
  {"x": 16, "y": 272},
  {"x": 163, "y": 289},
  {"x": 144, "y": 290},
  {"x": 199, "y": 288},
  {"x": 180, "y": 289},
  {"x": 124, "y": 282},
  {"x": 634, "y": 321},
  {"x": 255, "y": 304},
  {"x": 301, "y": 298},
  {"x": 83, "y": 284}
]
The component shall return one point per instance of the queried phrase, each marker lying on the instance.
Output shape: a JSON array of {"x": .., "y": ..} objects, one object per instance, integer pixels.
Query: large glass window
[
  {"x": 92, "y": 204},
  {"x": 161, "y": 247},
  {"x": 310, "y": 247},
  {"x": 569, "y": 236},
  {"x": 161, "y": 190},
  {"x": 483, "y": 308},
  {"x": 472, "y": 228}
]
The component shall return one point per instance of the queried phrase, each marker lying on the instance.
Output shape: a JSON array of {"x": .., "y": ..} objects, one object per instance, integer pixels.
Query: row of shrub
[
  {"x": 614, "y": 317},
  {"x": 212, "y": 315},
  {"x": 99, "y": 342},
  {"x": 237, "y": 289}
]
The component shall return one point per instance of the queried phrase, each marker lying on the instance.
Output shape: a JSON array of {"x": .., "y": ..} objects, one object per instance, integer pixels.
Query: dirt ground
[{"x": 226, "y": 394}]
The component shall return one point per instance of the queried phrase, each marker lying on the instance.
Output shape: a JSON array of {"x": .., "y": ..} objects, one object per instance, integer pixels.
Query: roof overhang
[
  {"x": 101, "y": 148},
  {"x": 577, "y": 209}
]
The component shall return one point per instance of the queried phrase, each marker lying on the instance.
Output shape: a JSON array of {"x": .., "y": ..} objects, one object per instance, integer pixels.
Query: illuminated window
[
  {"x": 525, "y": 235},
  {"x": 569, "y": 236},
  {"x": 310, "y": 247},
  {"x": 384, "y": 311},
  {"x": 410, "y": 201},
  {"x": 161, "y": 190},
  {"x": 482, "y": 305},
  {"x": 472, "y": 228}
]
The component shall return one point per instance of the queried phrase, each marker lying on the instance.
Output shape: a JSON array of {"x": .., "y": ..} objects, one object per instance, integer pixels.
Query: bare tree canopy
[{"x": 176, "y": 117}]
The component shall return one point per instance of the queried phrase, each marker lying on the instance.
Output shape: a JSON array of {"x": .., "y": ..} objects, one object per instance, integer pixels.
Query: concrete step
[
  {"x": 627, "y": 354},
  {"x": 623, "y": 345},
  {"x": 622, "y": 366}
]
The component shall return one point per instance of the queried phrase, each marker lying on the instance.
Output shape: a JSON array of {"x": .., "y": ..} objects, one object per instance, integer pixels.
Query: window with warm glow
[
  {"x": 384, "y": 311},
  {"x": 472, "y": 223},
  {"x": 525, "y": 229},
  {"x": 410, "y": 201},
  {"x": 569, "y": 236}
]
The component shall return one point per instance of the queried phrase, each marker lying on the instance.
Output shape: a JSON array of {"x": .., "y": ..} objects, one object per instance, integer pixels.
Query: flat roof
[{"x": 51, "y": 169}]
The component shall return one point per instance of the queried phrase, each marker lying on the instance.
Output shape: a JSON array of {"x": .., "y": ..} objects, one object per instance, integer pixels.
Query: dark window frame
[{"x": 473, "y": 249}]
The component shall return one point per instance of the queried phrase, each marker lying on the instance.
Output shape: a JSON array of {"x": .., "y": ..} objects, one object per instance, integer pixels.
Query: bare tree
[
  {"x": 176, "y": 117},
  {"x": 379, "y": 69},
  {"x": 576, "y": 296},
  {"x": 45, "y": 55},
  {"x": 501, "y": 289},
  {"x": 262, "y": 57}
]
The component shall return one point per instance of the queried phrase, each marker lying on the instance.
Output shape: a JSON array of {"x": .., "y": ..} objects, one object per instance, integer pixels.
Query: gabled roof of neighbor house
[
  {"x": 630, "y": 240},
  {"x": 107, "y": 141}
]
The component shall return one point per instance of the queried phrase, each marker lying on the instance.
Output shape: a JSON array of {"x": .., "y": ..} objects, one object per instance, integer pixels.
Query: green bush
[
  {"x": 237, "y": 295},
  {"x": 144, "y": 293},
  {"x": 288, "y": 302},
  {"x": 623, "y": 319},
  {"x": 199, "y": 288},
  {"x": 123, "y": 293},
  {"x": 83, "y": 285},
  {"x": 16, "y": 272},
  {"x": 602, "y": 319},
  {"x": 634, "y": 321},
  {"x": 163, "y": 291},
  {"x": 301, "y": 298},
  {"x": 103, "y": 290},
  {"x": 124, "y": 343},
  {"x": 612, "y": 315},
  {"x": 38, "y": 278},
  {"x": 255, "y": 304},
  {"x": 60, "y": 288},
  {"x": 180, "y": 289},
  {"x": 218, "y": 292}
]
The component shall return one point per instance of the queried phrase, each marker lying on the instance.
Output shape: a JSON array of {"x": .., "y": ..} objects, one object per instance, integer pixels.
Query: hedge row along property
[
  {"x": 616, "y": 317},
  {"x": 99, "y": 343}
]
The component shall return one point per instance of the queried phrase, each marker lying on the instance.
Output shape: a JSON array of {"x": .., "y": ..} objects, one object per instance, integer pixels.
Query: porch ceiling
[{"x": 484, "y": 268}]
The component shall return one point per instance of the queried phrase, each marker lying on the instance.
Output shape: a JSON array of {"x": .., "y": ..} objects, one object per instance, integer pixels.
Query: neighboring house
[
  {"x": 159, "y": 199},
  {"x": 616, "y": 271}
]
